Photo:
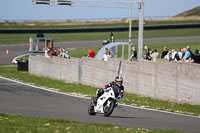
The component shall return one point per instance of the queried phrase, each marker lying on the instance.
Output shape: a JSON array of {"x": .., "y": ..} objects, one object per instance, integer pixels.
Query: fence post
[{"x": 80, "y": 71}]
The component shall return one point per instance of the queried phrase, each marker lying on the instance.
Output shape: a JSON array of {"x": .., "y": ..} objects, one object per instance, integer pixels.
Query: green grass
[
  {"x": 17, "y": 124},
  {"x": 6, "y": 39},
  {"x": 80, "y": 89}
]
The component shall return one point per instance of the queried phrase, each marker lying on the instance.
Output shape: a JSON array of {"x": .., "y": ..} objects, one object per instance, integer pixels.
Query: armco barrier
[{"x": 164, "y": 80}]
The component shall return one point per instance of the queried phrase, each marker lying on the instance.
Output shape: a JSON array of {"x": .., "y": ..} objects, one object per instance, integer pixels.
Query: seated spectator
[
  {"x": 155, "y": 55},
  {"x": 47, "y": 52},
  {"x": 91, "y": 53},
  {"x": 175, "y": 55},
  {"x": 164, "y": 53},
  {"x": 196, "y": 56},
  {"x": 188, "y": 49},
  {"x": 187, "y": 56},
  {"x": 197, "y": 51},
  {"x": 134, "y": 54},
  {"x": 106, "y": 55},
  {"x": 65, "y": 54},
  {"x": 53, "y": 52},
  {"x": 148, "y": 51},
  {"x": 180, "y": 53}
]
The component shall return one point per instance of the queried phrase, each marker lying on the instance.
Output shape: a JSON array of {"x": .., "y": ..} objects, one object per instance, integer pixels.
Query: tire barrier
[{"x": 82, "y": 30}]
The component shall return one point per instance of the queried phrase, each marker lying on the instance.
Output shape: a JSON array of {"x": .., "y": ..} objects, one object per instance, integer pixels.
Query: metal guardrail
[{"x": 81, "y": 30}]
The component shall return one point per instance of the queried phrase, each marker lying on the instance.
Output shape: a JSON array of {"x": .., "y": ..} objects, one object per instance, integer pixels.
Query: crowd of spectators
[
  {"x": 183, "y": 55},
  {"x": 62, "y": 52}
]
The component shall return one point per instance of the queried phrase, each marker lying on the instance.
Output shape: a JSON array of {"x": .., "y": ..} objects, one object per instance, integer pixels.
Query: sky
[{"x": 26, "y": 10}]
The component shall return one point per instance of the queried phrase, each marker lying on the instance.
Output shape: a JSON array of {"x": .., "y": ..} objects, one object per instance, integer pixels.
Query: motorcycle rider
[{"x": 118, "y": 82}]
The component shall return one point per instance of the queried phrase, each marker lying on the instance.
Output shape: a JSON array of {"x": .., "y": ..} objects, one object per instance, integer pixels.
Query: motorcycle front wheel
[
  {"x": 109, "y": 107},
  {"x": 91, "y": 109}
]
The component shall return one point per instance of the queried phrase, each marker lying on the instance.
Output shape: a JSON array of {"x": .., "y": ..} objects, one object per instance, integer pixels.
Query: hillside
[{"x": 192, "y": 12}]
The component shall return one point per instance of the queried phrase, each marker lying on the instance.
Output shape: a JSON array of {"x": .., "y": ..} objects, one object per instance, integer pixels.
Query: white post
[
  {"x": 141, "y": 28},
  {"x": 130, "y": 29},
  {"x": 122, "y": 51}
]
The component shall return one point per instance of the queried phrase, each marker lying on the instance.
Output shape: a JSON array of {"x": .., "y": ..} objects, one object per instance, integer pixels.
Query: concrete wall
[
  {"x": 164, "y": 80},
  {"x": 57, "y": 68}
]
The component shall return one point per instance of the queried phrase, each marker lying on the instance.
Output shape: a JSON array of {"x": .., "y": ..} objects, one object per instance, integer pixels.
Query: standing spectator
[
  {"x": 112, "y": 37},
  {"x": 147, "y": 55},
  {"x": 91, "y": 53},
  {"x": 164, "y": 53},
  {"x": 155, "y": 55},
  {"x": 134, "y": 54},
  {"x": 106, "y": 55}
]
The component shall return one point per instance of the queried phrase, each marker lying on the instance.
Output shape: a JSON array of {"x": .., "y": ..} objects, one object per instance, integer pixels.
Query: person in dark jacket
[{"x": 164, "y": 53}]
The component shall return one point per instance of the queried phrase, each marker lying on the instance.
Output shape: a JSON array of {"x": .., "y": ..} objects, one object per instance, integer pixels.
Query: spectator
[
  {"x": 155, "y": 55},
  {"x": 168, "y": 56},
  {"x": 91, "y": 53},
  {"x": 147, "y": 55},
  {"x": 164, "y": 53},
  {"x": 65, "y": 54},
  {"x": 53, "y": 52},
  {"x": 180, "y": 53},
  {"x": 47, "y": 52},
  {"x": 106, "y": 55},
  {"x": 196, "y": 56},
  {"x": 112, "y": 37},
  {"x": 188, "y": 49},
  {"x": 175, "y": 55},
  {"x": 134, "y": 54},
  {"x": 187, "y": 56},
  {"x": 197, "y": 51}
]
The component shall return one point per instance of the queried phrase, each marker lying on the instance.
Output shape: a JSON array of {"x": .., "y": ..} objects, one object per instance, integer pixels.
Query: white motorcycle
[{"x": 105, "y": 103}]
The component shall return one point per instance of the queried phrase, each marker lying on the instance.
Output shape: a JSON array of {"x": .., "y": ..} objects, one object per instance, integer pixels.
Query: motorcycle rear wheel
[
  {"x": 109, "y": 109},
  {"x": 91, "y": 109}
]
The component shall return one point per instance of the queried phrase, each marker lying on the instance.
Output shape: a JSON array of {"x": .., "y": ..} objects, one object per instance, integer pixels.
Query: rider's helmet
[{"x": 119, "y": 80}]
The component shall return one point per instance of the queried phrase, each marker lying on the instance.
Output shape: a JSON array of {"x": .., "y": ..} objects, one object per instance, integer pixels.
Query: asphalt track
[
  {"x": 25, "y": 100},
  {"x": 16, "y": 50}
]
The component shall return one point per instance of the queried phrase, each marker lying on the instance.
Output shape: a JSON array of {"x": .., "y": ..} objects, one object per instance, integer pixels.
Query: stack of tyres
[{"x": 22, "y": 65}]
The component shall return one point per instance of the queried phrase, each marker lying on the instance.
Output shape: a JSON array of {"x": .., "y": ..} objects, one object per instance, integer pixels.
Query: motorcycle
[{"x": 105, "y": 103}]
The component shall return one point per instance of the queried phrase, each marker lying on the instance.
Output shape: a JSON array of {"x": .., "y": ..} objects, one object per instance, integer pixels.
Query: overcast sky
[{"x": 26, "y": 10}]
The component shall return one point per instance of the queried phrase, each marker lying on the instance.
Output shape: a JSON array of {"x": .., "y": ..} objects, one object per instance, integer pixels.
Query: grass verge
[
  {"x": 80, "y": 89},
  {"x": 11, "y": 124}
]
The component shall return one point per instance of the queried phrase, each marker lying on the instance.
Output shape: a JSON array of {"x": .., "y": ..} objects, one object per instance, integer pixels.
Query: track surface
[
  {"x": 24, "y": 100},
  {"x": 16, "y": 50}
]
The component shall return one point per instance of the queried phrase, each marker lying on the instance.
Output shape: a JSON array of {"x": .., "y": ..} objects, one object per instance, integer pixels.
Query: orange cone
[{"x": 7, "y": 52}]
